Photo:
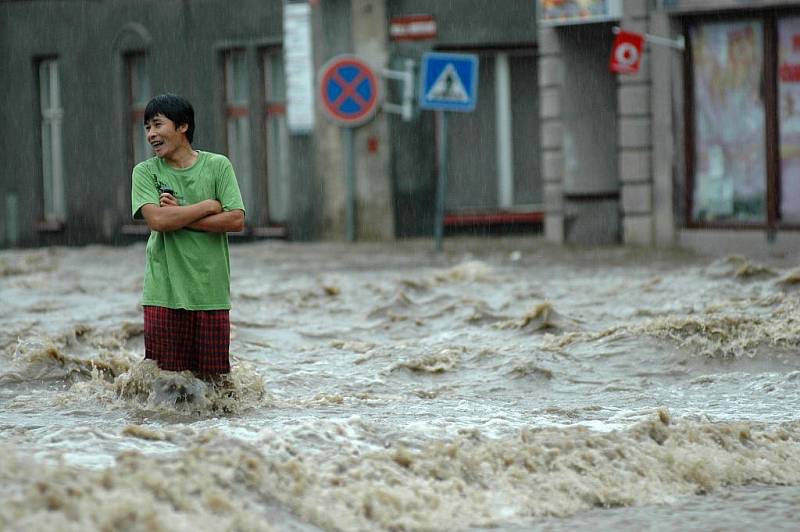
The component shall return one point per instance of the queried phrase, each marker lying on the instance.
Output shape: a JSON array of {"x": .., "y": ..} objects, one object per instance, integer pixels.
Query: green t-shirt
[{"x": 187, "y": 269}]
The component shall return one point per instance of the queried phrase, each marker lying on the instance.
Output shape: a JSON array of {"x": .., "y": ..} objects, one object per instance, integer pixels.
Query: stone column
[
  {"x": 374, "y": 205},
  {"x": 551, "y": 80},
  {"x": 666, "y": 66},
  {"x": 635, "y": 137}
]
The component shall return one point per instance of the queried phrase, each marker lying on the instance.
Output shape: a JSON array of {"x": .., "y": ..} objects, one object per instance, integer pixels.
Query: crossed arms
[{"x": 206, "y": 215}]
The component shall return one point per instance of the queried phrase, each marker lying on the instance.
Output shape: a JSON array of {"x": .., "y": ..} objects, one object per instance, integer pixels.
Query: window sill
[
  {"x": 270, "y": 231},
  {"x": 135, "y": 229},
  {"x": 49, "y": 227},
  {"x": 493, "y": 218}
]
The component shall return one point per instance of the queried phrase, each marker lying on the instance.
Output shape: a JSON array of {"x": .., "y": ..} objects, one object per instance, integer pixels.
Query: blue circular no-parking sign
[{"x": 348, "y": 90}]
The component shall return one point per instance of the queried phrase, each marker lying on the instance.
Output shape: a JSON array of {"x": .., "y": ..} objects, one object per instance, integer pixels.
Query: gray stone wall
[
  {"x": 474, "y": 22},
  {"x": 373, "y": 185},
  {"x": 634, "y": 105},
  {"x": 646, "y": 208},
  {"x": 183, "y": 41},
  {"x": 551, "y": 80},
  {"x": 667, "y": 155}
]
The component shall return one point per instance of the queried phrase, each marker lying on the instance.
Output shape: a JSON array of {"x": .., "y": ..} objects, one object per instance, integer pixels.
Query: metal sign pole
[
  {"x": 406, "y": 77},
  {"x": 449, "y": 82},
  {"x": 441, "y": 187},
  {"x": 350, "y": 183},
  {"x": 679, "y": 43}
]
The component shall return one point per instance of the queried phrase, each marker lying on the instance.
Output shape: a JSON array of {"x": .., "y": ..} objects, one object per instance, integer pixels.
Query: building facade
[
  {"x": 494, "y": 170},
  {"x": 77, "y": 75},
  {"x": 696, "y": 149}
]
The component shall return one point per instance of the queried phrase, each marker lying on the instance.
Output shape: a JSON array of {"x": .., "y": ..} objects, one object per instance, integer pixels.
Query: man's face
[{"x": 164, "y": 136}]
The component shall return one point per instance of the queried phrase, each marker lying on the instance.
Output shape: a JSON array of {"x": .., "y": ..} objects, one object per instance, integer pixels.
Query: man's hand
[
  {"x": 167, "y": 200},
  {"x": 169, "y": 216},
  {"x": 216, "y": 206},
  {"x": 213, "y": 206},
  {"x": 223, "y": 222}
]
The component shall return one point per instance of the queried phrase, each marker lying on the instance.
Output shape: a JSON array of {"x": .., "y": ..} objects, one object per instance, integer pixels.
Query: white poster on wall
[{"x": 299, "y": 67}]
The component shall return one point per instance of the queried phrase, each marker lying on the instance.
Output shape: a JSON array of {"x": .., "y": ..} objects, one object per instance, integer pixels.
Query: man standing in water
[{"x": 190, "y": 200}]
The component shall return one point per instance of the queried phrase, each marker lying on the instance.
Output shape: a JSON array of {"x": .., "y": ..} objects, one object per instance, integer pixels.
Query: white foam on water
[
  {"x": 470, "y": 481},
  {"x": 388, "y": 387}
]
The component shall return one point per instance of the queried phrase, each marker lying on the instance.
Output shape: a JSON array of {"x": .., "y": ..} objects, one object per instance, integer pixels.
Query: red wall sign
[
  {"x": 626, "y": 54},
  {"x": 412, "y": 28}
]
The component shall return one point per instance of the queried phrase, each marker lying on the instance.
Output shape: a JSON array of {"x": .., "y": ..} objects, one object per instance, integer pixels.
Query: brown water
[{"x": 504, "y": 384}]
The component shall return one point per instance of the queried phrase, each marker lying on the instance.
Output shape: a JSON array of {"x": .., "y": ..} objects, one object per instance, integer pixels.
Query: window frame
[
  {"x": 232, "y": 108},
  {"x": 769, "y": 86},
  {"x": 502, "y": 142},
  {"x": 134, "y": 111},
  {"x": 51, "y": 117},
  {"x": 271, "y": 108},
  {"x": 233, "y": 111}
]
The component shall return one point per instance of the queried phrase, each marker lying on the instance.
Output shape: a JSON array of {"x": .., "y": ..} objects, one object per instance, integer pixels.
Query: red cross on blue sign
[{"x": 348, "y": 90}]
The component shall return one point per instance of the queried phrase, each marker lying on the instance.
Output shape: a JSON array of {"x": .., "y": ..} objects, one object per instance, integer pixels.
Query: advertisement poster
[
  {"x": 561, "y": 12},
  {"x": 789, "y": 117},
  {"x": 730, "y": 153}
]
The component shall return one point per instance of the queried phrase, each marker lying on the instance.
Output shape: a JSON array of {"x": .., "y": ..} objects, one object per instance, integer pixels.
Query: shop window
[
  {"x": 729, "y": 122},
  {"x": 789, "y": 118},
  {"x": 276, "y": 137},
  {"x": 237, "y": 121},
  {"x": 54, "y": 205},
  {"x": 138, "y": 94},
  {"x": 744, "y": 158}
]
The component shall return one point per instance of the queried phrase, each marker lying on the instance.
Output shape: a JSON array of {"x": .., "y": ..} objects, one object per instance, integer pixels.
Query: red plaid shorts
[{"x": 194, "y": 340}]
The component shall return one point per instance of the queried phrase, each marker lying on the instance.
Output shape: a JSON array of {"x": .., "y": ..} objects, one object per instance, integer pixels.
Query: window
[
  {"x": 499, "y": 172},
  {"x": 138, "y": 94},
  {"x": 276, "y": 135},
  {"x": 729, "y": 122},
  {"x": 54, "y": 206},
  {"x": 789, "y": 117},
  {"x": 744, "y": 117},
  {"x": 237, "y": 118}
]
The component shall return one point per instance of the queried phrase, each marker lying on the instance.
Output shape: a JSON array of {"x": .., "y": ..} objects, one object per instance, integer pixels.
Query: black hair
[{"x": 174, "y": 107}]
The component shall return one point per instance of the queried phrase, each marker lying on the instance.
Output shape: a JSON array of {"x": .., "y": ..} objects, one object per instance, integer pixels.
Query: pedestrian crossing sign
[{"x": 449, "y": 82}]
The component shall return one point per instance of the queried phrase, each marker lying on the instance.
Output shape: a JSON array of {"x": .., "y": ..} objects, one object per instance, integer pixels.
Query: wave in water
[
  {"x": 169, "y": 391},
  {"x": 116, "y": 375},
  {"x": 542, "y": 317},
  {"x": 739, "y": 268},
  {"x": 722, "y": 332},
  {"x": 220, "y": 482},
  {"x": 35, "y": 356}
]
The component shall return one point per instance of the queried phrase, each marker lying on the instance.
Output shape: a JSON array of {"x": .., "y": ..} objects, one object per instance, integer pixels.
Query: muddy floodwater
[{"x": 504, "y": 384}]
